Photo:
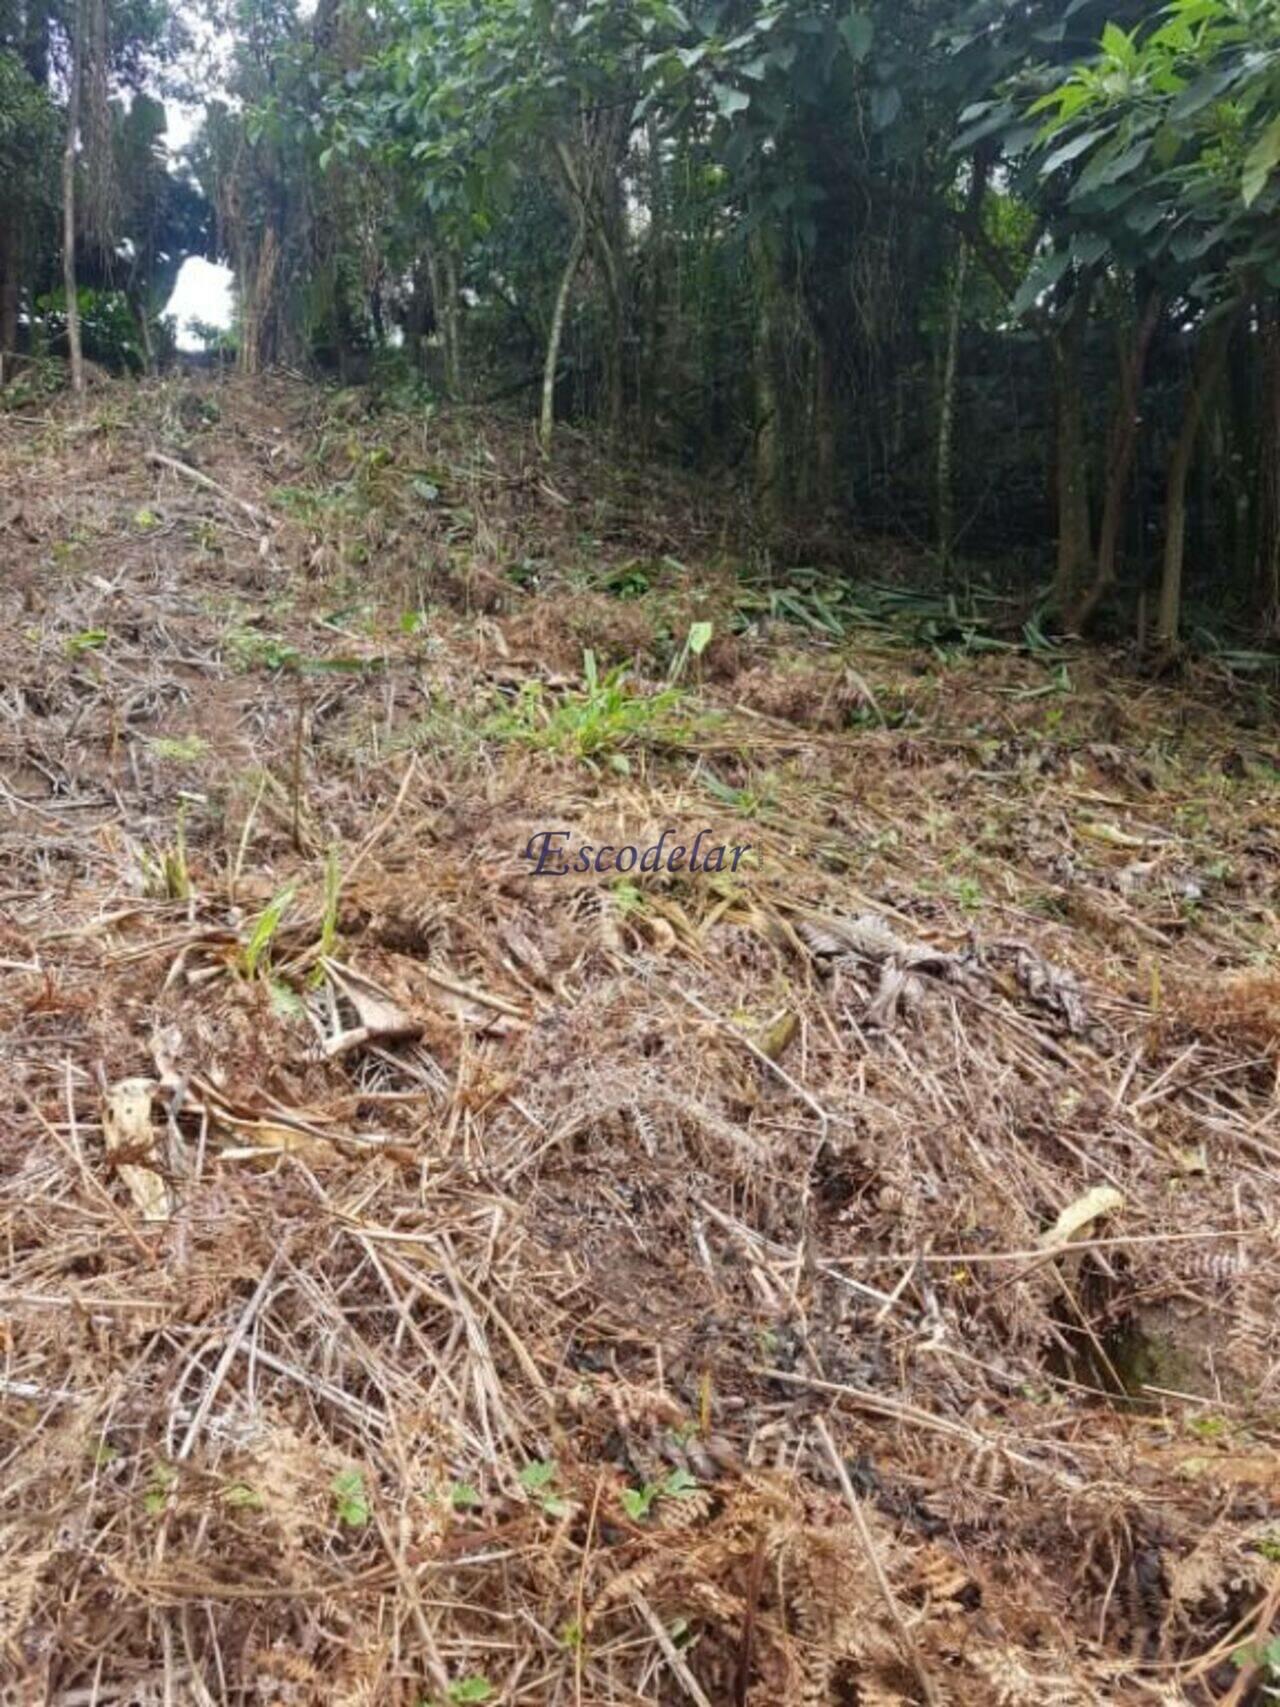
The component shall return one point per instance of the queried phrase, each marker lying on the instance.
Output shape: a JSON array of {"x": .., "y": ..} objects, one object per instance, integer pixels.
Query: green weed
[
  {"x": 695, "y": 644},
  {"x": 596, "y": 724},
  {"x": 249, "y": 650},
  {"x": 258, "y": 947},
  {"x": 538, "y": 1478},
  {"x": 1266, "y": 1656},
  {"x": 751, "y": 800},
  {"x": 470, "y": 1689},
  {"x": 967, "y": 891},
  {"x": 350, "y": 1499},
  {"x": 159, "y": 1486},
  {"x": 165, "y": 873},
  {"x": 242, "y": 1497},
  {"x": 639, "y": 1502},
  {"x": 332, "y": 893},
  {"x": 180, "y": 749}
]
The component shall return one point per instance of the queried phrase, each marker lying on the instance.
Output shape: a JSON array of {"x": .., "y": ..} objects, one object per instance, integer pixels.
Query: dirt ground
[{"x": 851, "y": 1280}]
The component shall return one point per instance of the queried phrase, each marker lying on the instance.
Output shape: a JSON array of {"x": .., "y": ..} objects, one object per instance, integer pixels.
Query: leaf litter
[{"x": 852, "y": 1280}]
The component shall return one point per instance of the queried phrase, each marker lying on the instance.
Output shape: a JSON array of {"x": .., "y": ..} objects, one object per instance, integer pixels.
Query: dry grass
[{"x": 485, "y": 1288}]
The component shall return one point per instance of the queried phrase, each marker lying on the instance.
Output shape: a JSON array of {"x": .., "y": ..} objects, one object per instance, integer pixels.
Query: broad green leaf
[
  {"x": 1088, "y": 247},
  {"x": 636, "y": 1502},
  {"x": 1191, "y": 241},
  {"x": 1044, "y": 273},
  {"x": 995, "y": 117},
  {"x": 1111, "y": 166},
  {"x": 350, "y": 1498},
  {"x": 730, "y": 101},
  {"x": 264, "y": 930},
  {"x": 886, "y": 104},
  {"x": 471, "y": 1689},
  {"x": 858, "y": 31},
  {"x": 1167, "y": 145},
  {"x": 1144, "y": 215},
  {"x": 1260, "y": 162},
  {"x": 1070, "y": 151},
  {"x": 539, "y": 1474},
  {"x": 680, "y": 1484},
  {"x": 1119, "y": 45},
  {"x": 1200, "y": 93}
]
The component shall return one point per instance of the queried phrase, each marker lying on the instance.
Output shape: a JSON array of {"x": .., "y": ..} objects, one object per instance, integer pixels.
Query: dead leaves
[
  {"x": 1077, "y": 1217},
  {"x": 379, "y": 1017},
  {"x": 251, "y": 1131},
  {"x": 1049, "y": 987},
  {"x": 905, "y": 966},
  {"x": 902, "y": 965}
]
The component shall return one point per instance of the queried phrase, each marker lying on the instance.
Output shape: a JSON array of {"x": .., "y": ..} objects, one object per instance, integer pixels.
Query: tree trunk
[
  {"x": 143, "y": 318},
  {"x": 824, "y": 437},
  {"x": 650, "y": 352},
  {"x": 10, "y": 281},
  {"x": 451, "y": 326},
  {"x": 767, "y": 460},
  {"x": 947, "y": 411},
  {"x": 69, "y": 204},
  {"x": 554, "y": 336},
  {"x": 1267, "y": 532},
  {"x": 1074, "y": 542},
  {"x": 1122, "y": 446},
  {"x": 1209, "y": 360},
  {"x": 247, "y": 356},
  {"x": 437, "y": 316},
  {"x": 613, "y": 365}
]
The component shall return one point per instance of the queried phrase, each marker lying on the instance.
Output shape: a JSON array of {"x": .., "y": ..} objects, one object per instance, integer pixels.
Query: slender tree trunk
[
  {"x": 614, "y": 377},
  {"x": 1122, "y": 446},
  {"x": 652, "y": 336},
  {"x": 1074, "y": 543},
  {"x": 436, "y": 288},
  {"x": 1209, "y": 359},
  {"x": 143, "y": 319},
  {"x": 554, "y": 336},
  {"x": 451, "y": 325},
  {"x": 247, "y": 356},
  {"x": 947, "y": 410},
  {"x": 824, "y": 437},
  {"x": 69, "y": 204},
  {"x": 10, "y": 279},
  {"x": 768, "y": 438},
  {"x": 1267, "y": 532}
]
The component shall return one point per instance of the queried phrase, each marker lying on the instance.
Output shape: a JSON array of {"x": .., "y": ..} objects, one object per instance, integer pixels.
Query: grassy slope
[{"x": 509, "y": 1284}]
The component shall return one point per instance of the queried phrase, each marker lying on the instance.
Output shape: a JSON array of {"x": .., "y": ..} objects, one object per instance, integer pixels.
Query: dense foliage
[
  {"x": 89, "y": 67},
  {"x": 980, "y": 273}
]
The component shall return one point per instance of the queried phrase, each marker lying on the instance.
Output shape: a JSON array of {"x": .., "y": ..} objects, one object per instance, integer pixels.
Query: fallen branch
[
  {"x": 928, "y": 1687},
  {"x": 159, "y": 459}
]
